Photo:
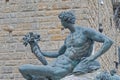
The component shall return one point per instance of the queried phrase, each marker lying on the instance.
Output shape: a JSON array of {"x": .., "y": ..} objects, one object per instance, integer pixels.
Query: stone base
[{"x": 88, "y": 76}]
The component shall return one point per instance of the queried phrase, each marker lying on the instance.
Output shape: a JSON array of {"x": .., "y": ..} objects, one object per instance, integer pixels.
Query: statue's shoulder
[
  {"x": 79, "y": 28},
  {"x": 85, "y": 29}
]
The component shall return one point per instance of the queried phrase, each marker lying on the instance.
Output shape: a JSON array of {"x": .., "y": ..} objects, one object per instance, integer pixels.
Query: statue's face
[{"x": 64, "y": 24}]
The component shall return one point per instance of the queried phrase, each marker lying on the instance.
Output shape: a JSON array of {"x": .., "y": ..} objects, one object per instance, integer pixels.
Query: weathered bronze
[{"x": 74, "y": 57}]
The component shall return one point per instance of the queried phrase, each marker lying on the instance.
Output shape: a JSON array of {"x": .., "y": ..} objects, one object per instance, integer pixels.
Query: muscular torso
[{"x": 78, "y": 46}]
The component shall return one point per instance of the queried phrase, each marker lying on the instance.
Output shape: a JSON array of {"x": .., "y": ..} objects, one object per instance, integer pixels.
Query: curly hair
[{"x": 67, "y": 16}]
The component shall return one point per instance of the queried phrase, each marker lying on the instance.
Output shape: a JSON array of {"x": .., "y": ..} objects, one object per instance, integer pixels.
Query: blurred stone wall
[{"x": 41, "y": 16}]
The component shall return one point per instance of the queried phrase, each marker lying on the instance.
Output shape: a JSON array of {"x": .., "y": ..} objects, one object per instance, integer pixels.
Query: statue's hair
[{"x": 67, "y": 16}]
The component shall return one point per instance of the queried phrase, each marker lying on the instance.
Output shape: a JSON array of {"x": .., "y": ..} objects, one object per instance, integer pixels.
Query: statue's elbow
[{"x": 109, "y": 42}]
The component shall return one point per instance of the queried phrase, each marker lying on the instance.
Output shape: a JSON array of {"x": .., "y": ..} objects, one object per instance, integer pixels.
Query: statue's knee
[{"x": 23, "y": 67}]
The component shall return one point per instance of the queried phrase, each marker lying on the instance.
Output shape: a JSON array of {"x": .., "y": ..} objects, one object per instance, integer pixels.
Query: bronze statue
[{"x": 74, "y": 57}]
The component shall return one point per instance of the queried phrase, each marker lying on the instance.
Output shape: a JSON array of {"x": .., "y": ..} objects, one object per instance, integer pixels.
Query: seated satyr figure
[{"x": 73, "y": 57}]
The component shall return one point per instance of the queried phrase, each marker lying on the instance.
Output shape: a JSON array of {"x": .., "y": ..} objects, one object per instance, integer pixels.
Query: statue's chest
[{"x": 75, "y": 39}]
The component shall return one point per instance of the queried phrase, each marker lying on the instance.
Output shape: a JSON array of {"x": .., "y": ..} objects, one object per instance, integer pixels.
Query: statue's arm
[
  {"x": 37, "y": 52},
  {"x": 55, "y": 54},
  {"x": 33, "y": 39},
  {"x": 99, "y": 37}
]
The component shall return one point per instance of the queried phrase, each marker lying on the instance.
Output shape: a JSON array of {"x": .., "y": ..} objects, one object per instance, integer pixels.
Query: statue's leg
[{"x": 29, "y": 70}]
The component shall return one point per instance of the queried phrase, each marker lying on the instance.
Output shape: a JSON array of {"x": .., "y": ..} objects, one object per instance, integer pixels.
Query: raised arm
[
  {"x": 55, "y": 54},
  {"x": 99, "y": 37}
]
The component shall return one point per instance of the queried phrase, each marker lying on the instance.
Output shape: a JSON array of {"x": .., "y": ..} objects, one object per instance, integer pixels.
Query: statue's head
[{"x": 67, "y": 17}]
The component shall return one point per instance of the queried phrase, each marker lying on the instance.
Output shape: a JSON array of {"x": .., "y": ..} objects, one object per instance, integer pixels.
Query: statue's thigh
[
  {"x": 37, "y": 70},
  {"x": 46, "y": 71},
  {"x": 60, "y": 73}
]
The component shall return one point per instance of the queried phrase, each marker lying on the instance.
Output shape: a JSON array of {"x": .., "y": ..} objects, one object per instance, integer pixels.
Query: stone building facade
[{"x": 18, "y": 17}]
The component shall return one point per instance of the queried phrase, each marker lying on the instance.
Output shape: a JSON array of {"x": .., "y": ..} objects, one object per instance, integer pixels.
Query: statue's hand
[
  {"x": 30, "y": 38},
  {"x": 87, "y": 60}
]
